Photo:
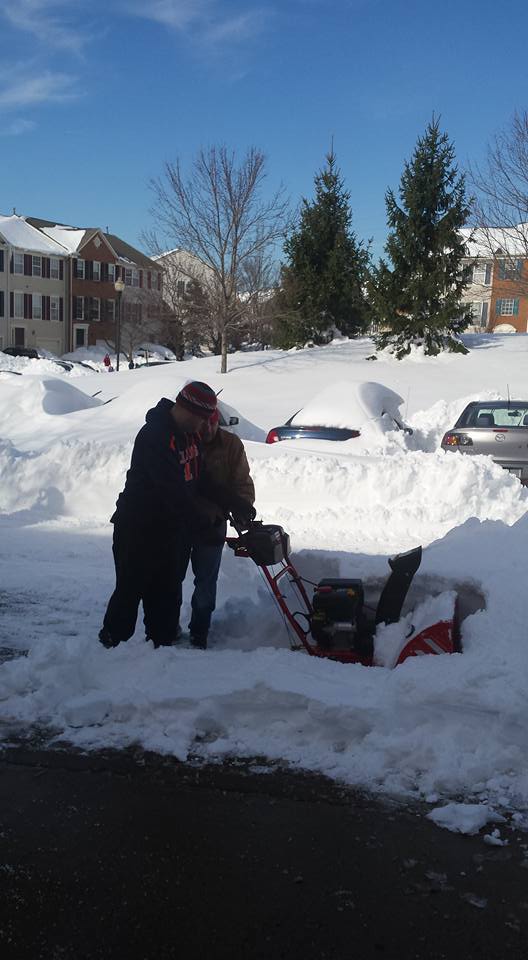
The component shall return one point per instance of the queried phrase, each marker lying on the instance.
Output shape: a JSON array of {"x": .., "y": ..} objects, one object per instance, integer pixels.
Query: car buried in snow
[
  {"x": 344, "y": 411},
  {"x": 497, "y": 428}
]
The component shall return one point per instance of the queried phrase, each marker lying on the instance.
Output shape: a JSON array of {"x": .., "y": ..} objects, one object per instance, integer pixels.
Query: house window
[
  {"x": 180, "y": 288},
  {"x": 510, "y": 269},
  {"x": 36, "y": 268},
  {"x": 135, "y": 278},
  {"x": 19, "y": 337},
  {"x": 18, "y": 263},
  {"x": 54, "y": 268},
  {"x": 78, "y": 307},
  {"x": 18, "y": 305},
  {"x": 111, "y": 272},
  {"x": 95, "y": 308},
  {"x": 507, "y": 307},
  {"x": 80, "y": 270},
  {"x": 481, "y": 274},
  {"x": 110, "y": 310},
  {"x": 54, "y": 309},
  {"x": 37, "y": 306},
  {"x": 96, "y": 270},
  {"x": 128, "y": 276}
]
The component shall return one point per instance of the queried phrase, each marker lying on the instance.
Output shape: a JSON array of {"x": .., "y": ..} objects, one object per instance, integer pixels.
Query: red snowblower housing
[{"x": 335, "y": 622}]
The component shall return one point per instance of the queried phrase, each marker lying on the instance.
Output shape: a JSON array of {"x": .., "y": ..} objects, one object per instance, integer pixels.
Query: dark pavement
[{"x": 127, "y": 855}]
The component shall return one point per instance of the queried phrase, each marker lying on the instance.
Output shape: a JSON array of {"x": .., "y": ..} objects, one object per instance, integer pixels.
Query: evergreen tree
[
  {"x": 419, "y": 299},
  {"x": 323, "y": 281}
]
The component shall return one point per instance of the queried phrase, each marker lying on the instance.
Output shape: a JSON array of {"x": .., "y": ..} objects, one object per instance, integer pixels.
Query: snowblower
[{"x": 335, "y": 622}]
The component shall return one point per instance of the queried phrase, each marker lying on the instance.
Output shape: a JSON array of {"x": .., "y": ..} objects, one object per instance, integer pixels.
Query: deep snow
[{"x": 443, "y": 728}]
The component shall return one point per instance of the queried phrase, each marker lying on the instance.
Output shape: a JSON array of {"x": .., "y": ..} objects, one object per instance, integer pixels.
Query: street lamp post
[{"x": 119, "y": 286}]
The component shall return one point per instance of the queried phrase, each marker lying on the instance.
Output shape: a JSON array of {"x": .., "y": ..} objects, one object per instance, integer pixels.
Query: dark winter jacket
[{"x": 162, "y": 480}]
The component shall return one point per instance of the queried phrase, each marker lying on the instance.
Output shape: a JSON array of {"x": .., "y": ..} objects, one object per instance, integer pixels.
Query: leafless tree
[
  {"x": 219, "y": 216},
  {"x": 501, "y": 205}
]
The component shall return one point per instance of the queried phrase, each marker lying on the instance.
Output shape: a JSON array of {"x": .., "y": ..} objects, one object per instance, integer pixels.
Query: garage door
[{"x": 54, "y": 346}]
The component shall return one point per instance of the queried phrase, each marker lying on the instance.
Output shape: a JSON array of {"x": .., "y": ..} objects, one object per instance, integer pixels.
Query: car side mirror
[{"x": 233, "y": 421}]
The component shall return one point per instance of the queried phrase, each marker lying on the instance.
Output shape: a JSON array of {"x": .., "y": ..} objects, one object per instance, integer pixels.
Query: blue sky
[{"x": 95, "y": 96}]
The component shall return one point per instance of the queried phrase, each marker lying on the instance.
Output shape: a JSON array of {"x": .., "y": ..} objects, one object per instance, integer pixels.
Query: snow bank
[{"x": 441, "y": 728}]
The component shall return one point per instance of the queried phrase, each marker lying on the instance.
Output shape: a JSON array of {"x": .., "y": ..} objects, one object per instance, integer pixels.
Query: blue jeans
[{"x": 205, "y": 562}]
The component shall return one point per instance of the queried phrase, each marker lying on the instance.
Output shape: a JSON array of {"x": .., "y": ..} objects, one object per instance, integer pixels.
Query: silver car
[{"x": 498, "y": 428}]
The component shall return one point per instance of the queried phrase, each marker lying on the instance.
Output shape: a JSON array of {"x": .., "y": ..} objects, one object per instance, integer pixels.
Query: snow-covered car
[
  {"x": 33, "y": 353},
  {"x": 230, "y": 419},
  {"x": 344, "y": 411},
  {"x": 498, "y": 428}
]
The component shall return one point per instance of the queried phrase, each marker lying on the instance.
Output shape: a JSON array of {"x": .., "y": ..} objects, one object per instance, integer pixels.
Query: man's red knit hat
[{"x": 198, "y": 398}]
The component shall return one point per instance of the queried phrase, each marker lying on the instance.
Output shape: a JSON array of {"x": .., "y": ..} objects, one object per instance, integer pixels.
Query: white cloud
[
  {"x": 50, "y": 21},
  {"x": 204, "y": 19},
  {"x": 33, "y": 88},
  {"x": 17, "y": 127}
]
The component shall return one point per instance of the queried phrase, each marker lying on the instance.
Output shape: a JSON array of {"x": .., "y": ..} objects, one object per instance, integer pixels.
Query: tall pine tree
[
  {"x": 419, "y": 299},
  {"x": 323, "y": 281}
]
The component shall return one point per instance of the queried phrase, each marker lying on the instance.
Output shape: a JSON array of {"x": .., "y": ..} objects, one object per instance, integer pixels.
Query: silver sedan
[{"x": 498, "y": 428}]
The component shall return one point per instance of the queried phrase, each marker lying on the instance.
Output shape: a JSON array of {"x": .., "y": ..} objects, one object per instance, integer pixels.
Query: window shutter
[
  {"x": 61, "y": 310},
  {"x": 11, "y": 263},
  {"x": 11, "y": 304},
  {"x": 516, "y": 308},
  {"x": 149, "y": 280},
  {"x": 87, "y": 308},
  {"x": 487, "y": 277},
  {"x": 48, "y": 308},
  {"x": 28, "y": 265},
  {"x": 159, "y": 281},
  {"x": 484, "y": 316},
  {"x": 498, "y": 307},
  {"x": 141, "y": 278},
  {"x": 1, "y": 303},
  {"x": 61, "y": 269},
  {"x": 2, "y": 260},
  {"x": 88, "y": 269}
]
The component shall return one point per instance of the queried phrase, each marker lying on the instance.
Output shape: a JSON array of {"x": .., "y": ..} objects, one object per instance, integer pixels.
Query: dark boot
[
  {"x": 199, "y": 642},
  {"x": 106, "y": 639}
]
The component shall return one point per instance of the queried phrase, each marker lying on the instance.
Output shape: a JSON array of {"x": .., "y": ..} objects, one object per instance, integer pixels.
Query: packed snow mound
[
  {"x": 350, "y": 404},
  {"x": 33, "y": 398}
]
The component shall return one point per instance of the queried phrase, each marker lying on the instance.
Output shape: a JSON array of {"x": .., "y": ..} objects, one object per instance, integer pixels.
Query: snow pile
[
  {"x": 464, "y": 817},
  {"x": 439, "y": 728}
]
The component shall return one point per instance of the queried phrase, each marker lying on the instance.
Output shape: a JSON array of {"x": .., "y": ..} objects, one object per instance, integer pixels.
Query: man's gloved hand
[{"x": 243, "y": 512}]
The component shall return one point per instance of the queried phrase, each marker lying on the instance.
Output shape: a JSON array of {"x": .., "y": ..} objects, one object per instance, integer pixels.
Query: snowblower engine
[{"x": 338, "y": 617}]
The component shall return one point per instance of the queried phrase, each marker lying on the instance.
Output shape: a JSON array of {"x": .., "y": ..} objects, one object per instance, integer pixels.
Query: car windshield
[{"x": 496, "y": 414}]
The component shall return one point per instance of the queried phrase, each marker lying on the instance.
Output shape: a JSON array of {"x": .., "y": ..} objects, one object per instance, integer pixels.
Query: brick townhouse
[
  {"x": 498, "y": 292},
  {"x": 96, "y": 260}
]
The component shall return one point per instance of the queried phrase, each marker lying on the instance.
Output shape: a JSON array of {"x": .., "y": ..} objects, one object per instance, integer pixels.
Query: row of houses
[{"x": 57, "y": 284}]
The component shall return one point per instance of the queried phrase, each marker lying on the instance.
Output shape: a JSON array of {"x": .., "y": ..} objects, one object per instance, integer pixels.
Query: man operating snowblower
[{"x": 227, "y": 469}]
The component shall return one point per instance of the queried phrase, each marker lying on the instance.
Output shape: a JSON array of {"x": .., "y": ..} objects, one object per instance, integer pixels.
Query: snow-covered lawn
[{"x": 443, "y": 728}]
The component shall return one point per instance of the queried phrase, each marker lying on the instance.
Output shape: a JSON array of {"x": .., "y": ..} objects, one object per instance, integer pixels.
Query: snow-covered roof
[
  {"x": 69, "y": 237},
  {"x": 18, "y": 233},
  {"x": 489, "y": 241}
]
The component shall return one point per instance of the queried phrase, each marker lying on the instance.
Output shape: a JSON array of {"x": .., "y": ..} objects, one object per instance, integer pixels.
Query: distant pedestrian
[{"x": 106, "y": 360}]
